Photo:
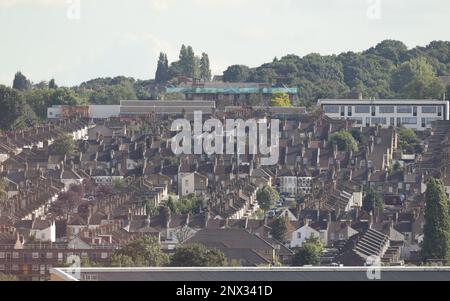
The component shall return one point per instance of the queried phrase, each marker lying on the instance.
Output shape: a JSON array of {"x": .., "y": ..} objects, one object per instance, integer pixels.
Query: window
[
  {"x": 35, "y": 255},
  {"x": 299, "y": 235},
  {"x": 429, "y": 110},
  {"x": 2, "y": 267},
  {"x": 49, "y": 255},
  {"x": 15, "y": 255},
  {"x": 35, "y": 267},
  {"x": 404, "y": 109},
  {"x": 350, "y": 111},
  {"x": 374, "y": 111},
  {"x": 358, "y": 120},
  {"x": 379, "y": 120},
  {"x": 392, "y": 121},
  {"x": 2, "y": 255},
  {"x": 409, "y": 120},
  {"x": 415, "y": 111},
  {"x": 331, "y": 109},
  {"x": 342, "y": 111},
  {"x": 387, "y": 109},
  {"x": 429, "y": 121},
  {"x": 362, "y": 109},
  {"x": 439, "y": 111},
  {"x": 15, "y": 267},
  {"x": 104, "y": 255}
]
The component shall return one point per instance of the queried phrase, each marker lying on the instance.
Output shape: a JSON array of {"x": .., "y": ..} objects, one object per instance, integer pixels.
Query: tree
[
  {"x": 344, "y": 141},
  {"x": 162, "y": 71},
  {"x": 145, "y": 252},
  {"x": 6, "y": 277},
  {"x": 66, "y": 96},
  {"x": 358, "y": 135},
  {"x": 15, "y": 112},
  {"x": 236, "y": 73},
  {"x": 188, "y": 63},
  {"x": 20, "y": 82},
  {"x": 397, "y": 166},
  {"x": 406, "y": 137},
  {"x": 280, "y": 228},
  {"x": 309, "y": 253},
  {"x": 281, "y": 100},
  {"x": 205, "y": 71},
  {"x": 64, "y": 145},
  {"x": 417, "y": 79},
  {"x": 436, "y": 243},
  {"x": 121, "y": 261},
  {"x": 371, "y": 201},
  {"x": 197, "y": 255},
  {"x": 120, "y": 184},
  {"x": 3, "y": 188},
  {"x": 390, "y": 49},
  {"x": 267, "y": 197},
  {"x": 52, "y": 84}
]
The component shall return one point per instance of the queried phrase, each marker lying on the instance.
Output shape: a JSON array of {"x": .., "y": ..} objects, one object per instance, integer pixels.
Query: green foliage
[
  {"x": 344, "y": 141},
  {"x": 120, "y": 184},
  {"x": 189, "y": 204},
  {"x": 64, "y": 145},
  {"x": 108, "y": 91},
  {"x": 371, "y": 201},
  {"x": 309, "y": 253},
  {"x": 20, "y": 82},
  {"x": 162, "y": 71},
  {"x": 3, "y": 188},
  {"x": 417, "y": 79},
  {"x": 16, "y": 113},
  {"x": 281, "y": 100},
  {"x": 205, "y": 70},
  {"x": 397, "y": 166},
  {"x": 121, "y": 261},
  {"x": 267, "y": 197},
  {"x": 174, "y": 96},
  {"x": 407, "y": 138},
  {"x": 280, "y": 228},
  {"x": 236, "y": 73},
  {"x": 358, "y": 135},
  {"x": 171, "y": 161},
  {"x": 197, "y": 255},
  {"x": 145, "y": 252},
  {"x": 376, "y": 72},
  {"x": 436, "y": 243},
  {"x": 6, "y": 277},
  {"x": 52, "y": 84},
  {"x": 188, "y": 65}
]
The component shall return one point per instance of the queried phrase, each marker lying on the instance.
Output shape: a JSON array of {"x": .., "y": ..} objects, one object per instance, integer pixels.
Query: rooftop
[{"x": 252, "y": 274}]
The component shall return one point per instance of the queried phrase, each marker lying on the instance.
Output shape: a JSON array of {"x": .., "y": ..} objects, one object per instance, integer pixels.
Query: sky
[{"x": 77, "y": 40}]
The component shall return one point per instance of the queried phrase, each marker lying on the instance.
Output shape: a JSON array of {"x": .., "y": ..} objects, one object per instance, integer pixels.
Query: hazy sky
[{"x": 45, "y": 38}]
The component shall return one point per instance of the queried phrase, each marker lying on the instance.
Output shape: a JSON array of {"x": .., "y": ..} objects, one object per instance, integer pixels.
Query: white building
[
  {"x": 95, "y": 111},
  {"x": 299, "y": 236},
  {"x": 414, "y": 114}
]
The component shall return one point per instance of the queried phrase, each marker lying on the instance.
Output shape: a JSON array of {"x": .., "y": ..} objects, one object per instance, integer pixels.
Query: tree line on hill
[{"x": 388, "y": 70}]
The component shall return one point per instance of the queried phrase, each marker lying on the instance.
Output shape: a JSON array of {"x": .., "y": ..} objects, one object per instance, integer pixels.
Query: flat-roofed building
[
  {"x": 129, "y": 108},
  {"x": 231, "y": 93},
  {"x": 409, "y": 113}
]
